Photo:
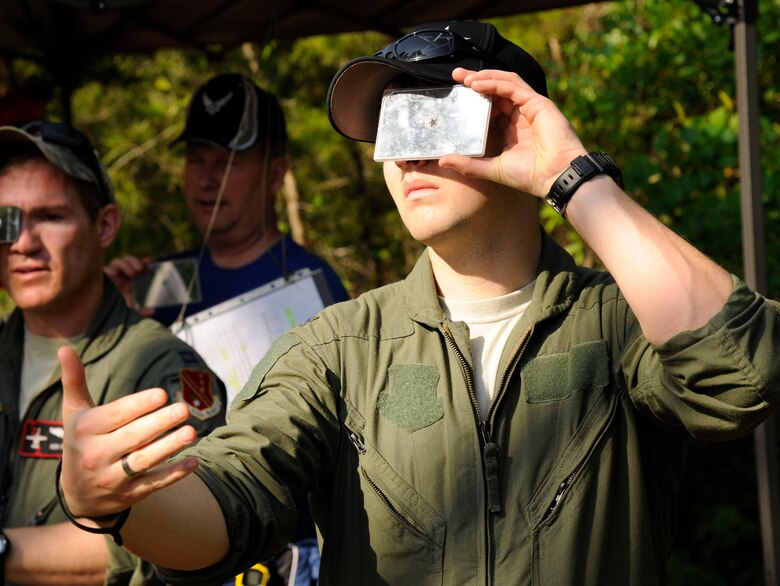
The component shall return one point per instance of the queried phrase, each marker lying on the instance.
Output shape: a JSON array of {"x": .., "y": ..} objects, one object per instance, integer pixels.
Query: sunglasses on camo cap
[{"x": 435, "y": 45}]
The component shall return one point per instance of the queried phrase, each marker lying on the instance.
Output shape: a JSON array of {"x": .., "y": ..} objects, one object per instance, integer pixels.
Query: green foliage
[
  {"x": 350, "y": 220},
  {"x": 653, "y": 83},
  {"x": 718, "y": 540}
]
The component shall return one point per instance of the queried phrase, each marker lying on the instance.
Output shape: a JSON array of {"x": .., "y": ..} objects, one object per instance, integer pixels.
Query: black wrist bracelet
[{"x": 113, "y": 531}]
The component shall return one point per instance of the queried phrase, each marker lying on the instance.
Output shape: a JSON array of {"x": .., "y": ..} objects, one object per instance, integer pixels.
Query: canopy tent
[
  {"x": 47, "y": 29},
  {"x": 62, "y": 34}
]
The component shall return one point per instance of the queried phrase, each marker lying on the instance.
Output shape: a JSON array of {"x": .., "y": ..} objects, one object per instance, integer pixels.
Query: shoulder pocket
[{"x": 279, "y": 348}]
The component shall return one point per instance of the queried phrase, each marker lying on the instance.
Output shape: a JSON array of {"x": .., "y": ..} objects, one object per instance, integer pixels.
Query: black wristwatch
[
  {"x": 5, "y": 547},
  {"x": 581, "y": 169}
]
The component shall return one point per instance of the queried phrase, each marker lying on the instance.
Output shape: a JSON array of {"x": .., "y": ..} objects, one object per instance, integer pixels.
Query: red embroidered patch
[
  {"x": 197, "y": 392},
  {"x": 41, "y": 439}
]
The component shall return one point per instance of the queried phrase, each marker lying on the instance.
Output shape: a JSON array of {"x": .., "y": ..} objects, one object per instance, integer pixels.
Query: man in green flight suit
[
  {"x": 60, "y": 216},
  {"x": 500, "y": 416}
]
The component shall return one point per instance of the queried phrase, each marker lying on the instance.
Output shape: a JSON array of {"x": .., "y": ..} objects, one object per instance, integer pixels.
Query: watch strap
[{"x": 581, "y": 170}]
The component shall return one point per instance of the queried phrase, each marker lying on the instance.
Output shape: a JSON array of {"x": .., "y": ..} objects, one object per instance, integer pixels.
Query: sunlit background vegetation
[{"x": 651, "y": 82}]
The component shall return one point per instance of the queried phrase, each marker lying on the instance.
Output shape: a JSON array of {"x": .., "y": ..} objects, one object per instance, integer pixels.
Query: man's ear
[
  {"x": 108, "y": 221},
  {"x": 277, "y": 169}
]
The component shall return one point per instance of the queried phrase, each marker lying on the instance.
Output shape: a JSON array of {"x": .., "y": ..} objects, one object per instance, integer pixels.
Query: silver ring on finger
[{"x": 126, "y": 467}]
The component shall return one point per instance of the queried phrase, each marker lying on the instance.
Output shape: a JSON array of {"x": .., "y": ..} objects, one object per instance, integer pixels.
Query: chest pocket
[
  {"x": 568, "y": 405},
  {"x": 556, "y": 377}
]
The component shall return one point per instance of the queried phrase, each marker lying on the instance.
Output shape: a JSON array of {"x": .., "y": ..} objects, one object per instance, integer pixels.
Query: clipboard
[{"x": 234, "y": 335}]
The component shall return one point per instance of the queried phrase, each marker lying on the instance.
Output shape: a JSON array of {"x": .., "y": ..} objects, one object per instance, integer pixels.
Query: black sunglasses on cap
[
  {"x": 435, "y": 45},
  {"x": 64, "y": 135}
]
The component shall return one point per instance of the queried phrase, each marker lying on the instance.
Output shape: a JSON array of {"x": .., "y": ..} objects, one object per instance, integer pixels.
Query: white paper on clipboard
[{"x": 234, "y": 335}]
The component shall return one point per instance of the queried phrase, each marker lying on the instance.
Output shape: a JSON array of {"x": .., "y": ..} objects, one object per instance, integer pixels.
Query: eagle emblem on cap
[{"x": 214, "y": 106}]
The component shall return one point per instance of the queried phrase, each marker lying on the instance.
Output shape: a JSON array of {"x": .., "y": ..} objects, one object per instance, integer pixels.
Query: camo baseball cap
[{"x": 68, "y": 149}]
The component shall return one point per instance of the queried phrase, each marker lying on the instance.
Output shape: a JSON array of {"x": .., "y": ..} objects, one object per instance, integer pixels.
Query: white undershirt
[
  {"x": 40, "y": 367},
  {"x": 490, "y": 323}
]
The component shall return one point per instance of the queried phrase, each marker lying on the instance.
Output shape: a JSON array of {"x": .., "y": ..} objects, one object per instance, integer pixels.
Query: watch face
[{"x": 3, "y": 545}]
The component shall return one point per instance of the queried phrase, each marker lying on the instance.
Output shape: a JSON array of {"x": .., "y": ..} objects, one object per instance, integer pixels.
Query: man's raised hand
[
  {"x": 121, "y": 271},
  {"x": 94, "y": 481},
  {"x": 537, "y": 143}
]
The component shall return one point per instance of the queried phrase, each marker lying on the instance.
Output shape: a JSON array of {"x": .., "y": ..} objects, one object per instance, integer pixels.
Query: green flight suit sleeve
[
  {"x": 719, "y": 381},
  {"x": 282, "y": 439}
]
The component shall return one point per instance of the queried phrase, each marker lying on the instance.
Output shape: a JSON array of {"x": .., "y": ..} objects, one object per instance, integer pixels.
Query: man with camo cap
[{"x": 54, "y": 186}]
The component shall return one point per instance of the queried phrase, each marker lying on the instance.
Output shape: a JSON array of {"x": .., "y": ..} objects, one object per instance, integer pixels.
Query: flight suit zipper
[
  {"x": 489, "y": 454},
  {"x": 40, "y": 516},
  {"x": 517, "y": 353},
  {"x": 489, "y": 447},
  {"x": 391, "y": 507},
  {"x": 506, "y": 374},
  {"x": 5, "y": 463},
  {"x": 412, "y": 524},
  {"x": 564, "y": 486}
]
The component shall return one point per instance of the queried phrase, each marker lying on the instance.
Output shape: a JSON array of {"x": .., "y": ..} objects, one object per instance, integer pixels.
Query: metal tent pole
[
  {"x": 746, "y": 60},
  {"x": 754, "y": 259},
  {"x": 741, "y": 15}
]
